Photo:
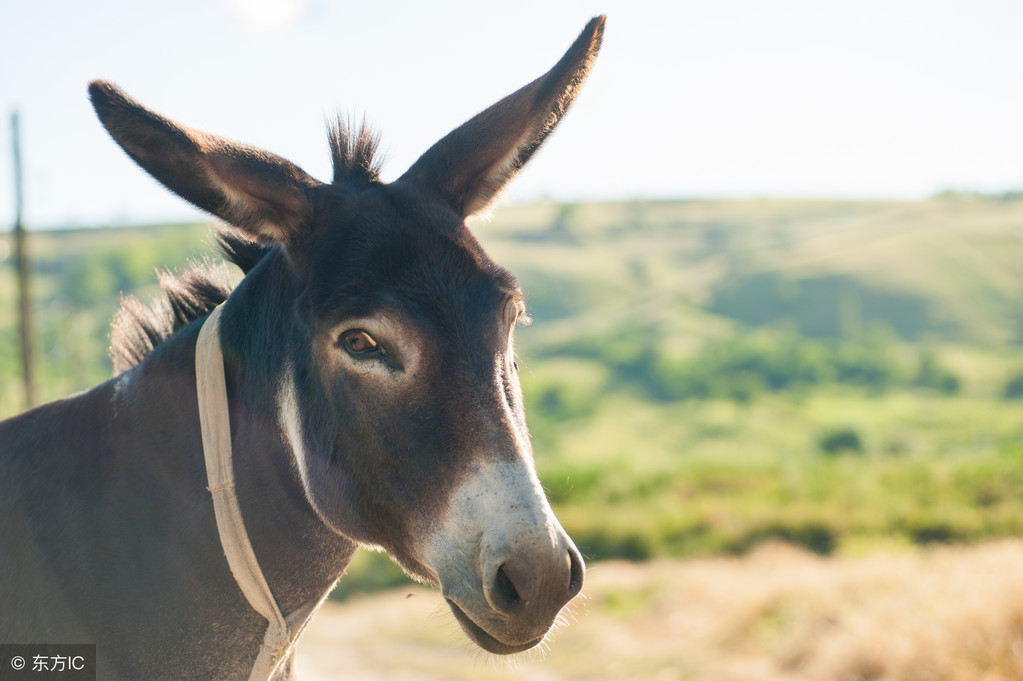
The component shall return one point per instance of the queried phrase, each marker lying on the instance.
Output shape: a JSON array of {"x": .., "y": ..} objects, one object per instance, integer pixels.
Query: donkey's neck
[
  {"x": 155, "y": 408},
  {"x": 300, "y": 556}
]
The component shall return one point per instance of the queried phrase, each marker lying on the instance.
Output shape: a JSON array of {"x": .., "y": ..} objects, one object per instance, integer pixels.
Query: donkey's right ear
[{"x": 254, "y": 190}]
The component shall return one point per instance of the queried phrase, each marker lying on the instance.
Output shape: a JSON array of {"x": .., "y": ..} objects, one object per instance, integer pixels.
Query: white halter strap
[{"x": 211, "y": 388}]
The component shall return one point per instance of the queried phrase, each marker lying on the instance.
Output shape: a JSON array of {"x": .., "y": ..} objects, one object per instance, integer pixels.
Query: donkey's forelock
[{"x": 353, "y": 151}]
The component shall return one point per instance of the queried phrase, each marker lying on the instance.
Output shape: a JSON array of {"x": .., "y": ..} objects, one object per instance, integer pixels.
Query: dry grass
[{"x": 945, "y": 614}]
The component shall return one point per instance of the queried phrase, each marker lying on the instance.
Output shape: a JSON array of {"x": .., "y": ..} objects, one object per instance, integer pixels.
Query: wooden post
[{"x": 21, "y": 260}]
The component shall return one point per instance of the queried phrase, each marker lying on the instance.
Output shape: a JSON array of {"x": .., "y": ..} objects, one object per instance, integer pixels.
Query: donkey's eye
[{"x": 358, "y": 343}]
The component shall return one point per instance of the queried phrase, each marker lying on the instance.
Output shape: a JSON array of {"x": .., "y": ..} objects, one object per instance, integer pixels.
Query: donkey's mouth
[{"x": 485, "y": 640}]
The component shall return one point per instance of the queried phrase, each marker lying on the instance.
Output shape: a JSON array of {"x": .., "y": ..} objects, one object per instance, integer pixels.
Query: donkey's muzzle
[
  {"x": 504, "y": 563},
  {"x": 524, "y": 589}
]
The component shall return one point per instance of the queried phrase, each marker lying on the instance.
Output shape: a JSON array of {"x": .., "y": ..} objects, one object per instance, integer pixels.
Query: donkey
[{"x": 371, "y": 393}]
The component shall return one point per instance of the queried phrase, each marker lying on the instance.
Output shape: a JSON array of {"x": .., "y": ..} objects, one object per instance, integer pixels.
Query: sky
[{"x": 733, "y": 98}]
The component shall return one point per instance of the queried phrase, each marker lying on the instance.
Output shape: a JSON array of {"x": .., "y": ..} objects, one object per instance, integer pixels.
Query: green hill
[{"x": 939, "y": 270}]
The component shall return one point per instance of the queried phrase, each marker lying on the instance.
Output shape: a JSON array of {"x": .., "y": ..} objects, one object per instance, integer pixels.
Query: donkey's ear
[
  {"x": 261, "y": 193},
  {"x": 470, "y": 165}
]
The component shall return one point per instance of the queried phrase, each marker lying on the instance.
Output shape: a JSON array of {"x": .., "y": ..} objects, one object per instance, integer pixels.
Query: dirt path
[{"x": 950, "y": 614}]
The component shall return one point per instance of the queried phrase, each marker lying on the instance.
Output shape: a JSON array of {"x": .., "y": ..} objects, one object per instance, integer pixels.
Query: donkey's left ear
[
  {"x": 263, "y": 194},
  {"x": 470, "y": 165}
]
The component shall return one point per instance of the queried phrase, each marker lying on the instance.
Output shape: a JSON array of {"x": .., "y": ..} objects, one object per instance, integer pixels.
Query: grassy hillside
[
  {"x": 940, "y": 270},
  {"x": 702, "y": 375}
]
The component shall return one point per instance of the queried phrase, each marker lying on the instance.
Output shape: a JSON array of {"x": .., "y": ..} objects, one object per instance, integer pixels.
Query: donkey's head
[{"x": 397, "y": 390}]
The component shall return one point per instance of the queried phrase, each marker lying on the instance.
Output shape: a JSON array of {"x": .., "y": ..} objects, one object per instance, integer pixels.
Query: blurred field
[{"x": 779, "y": 614}]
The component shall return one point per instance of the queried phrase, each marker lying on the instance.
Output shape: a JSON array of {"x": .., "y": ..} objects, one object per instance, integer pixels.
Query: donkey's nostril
[
  {"x": 533, "y": 587},
  {"x": 577, "y": 571},
  {"x": 505, "y": 596}
]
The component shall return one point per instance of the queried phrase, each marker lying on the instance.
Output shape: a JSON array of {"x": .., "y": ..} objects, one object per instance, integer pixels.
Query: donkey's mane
[{"x": 186, "y": 296}]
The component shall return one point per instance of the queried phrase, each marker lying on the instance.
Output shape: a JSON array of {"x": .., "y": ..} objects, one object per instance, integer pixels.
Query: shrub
[
  {"x": 743, "y": 367},
  {"x": 817, "y": 537},
  {"x": 932, "y": 375},
  {"x": 1014, "y": 387},
  {"x": 840, "y": 441}
]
